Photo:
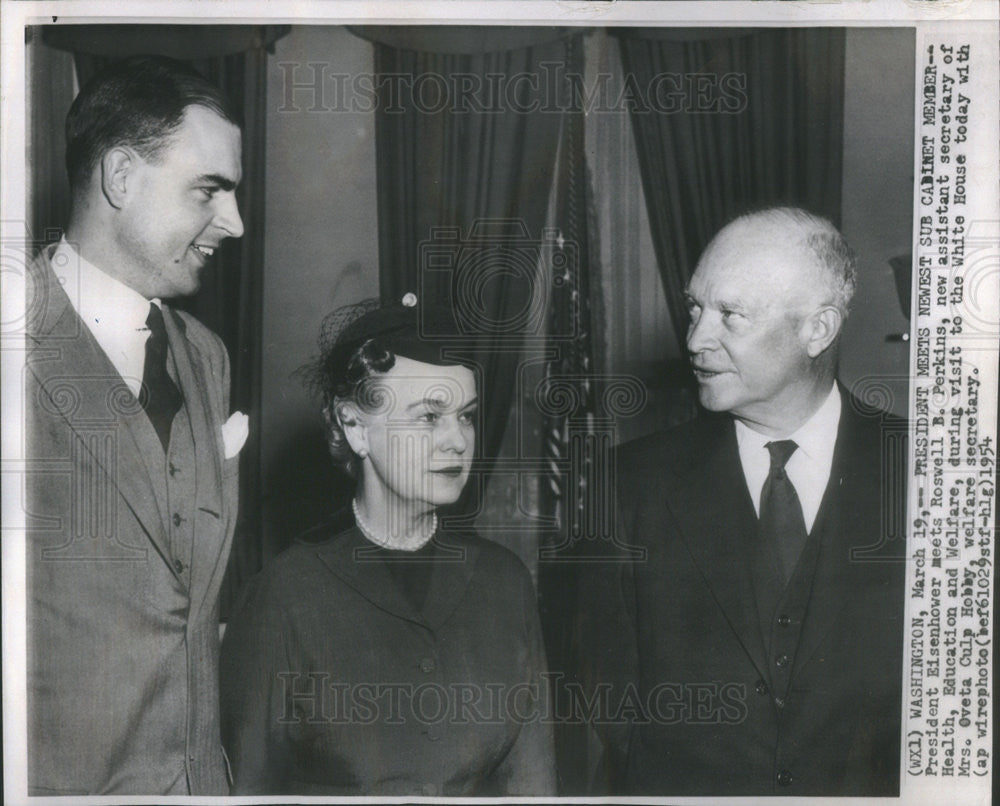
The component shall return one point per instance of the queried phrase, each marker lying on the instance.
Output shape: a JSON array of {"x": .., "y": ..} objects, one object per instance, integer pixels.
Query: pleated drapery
[
  {"x": 463, "y": 189},
  {"x": 758, "y": 121}
]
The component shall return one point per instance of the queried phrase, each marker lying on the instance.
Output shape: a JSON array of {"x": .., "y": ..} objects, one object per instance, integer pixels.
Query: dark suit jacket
[
  {"x": 122, "y": 653},
  {"x": 677, "y": 634},
  {"x": 324, "y": 660}
]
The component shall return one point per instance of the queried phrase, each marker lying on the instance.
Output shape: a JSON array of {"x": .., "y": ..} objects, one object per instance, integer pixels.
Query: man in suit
[
  {"x": 132, "y": 470},
  {"x": 755, "y": 646}
]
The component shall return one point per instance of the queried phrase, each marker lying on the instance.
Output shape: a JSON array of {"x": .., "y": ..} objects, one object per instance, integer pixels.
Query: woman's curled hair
[{"x": 338, "y": 375}]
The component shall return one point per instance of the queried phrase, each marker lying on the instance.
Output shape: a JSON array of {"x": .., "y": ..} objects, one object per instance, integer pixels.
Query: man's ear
[
  {"x": 354, "y": 424},
  {"x": 117, "y": 166},
  {"x": 821, "y": 329}
]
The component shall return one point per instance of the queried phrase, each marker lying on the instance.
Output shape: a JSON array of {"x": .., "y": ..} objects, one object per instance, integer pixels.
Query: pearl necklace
[{"x": 385, "y": 542}]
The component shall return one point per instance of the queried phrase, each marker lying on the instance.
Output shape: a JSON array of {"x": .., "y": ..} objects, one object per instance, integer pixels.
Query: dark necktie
[
  {"x": 781, "y": 521},
  {"x": 159, "y": 396}
]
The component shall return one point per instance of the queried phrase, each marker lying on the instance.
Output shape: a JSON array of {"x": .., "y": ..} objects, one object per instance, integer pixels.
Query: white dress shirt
[
  {"x": 113, "y": 312},
  {"x": 808, "y": 468}
]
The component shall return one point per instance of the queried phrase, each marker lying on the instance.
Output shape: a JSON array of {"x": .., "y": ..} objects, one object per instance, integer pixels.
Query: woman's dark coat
[{"x": 333, "y": 683}]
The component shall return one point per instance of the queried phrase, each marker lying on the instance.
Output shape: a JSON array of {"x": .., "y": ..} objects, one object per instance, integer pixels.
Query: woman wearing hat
[{"x": 382, "y": 654}]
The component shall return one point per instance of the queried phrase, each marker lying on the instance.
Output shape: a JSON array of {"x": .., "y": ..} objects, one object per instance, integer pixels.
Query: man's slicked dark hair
[{"x": 137, "y": 102}]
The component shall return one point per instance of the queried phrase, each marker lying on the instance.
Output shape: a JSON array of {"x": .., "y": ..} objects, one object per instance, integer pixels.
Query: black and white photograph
[{"x": 521, "y": 401}]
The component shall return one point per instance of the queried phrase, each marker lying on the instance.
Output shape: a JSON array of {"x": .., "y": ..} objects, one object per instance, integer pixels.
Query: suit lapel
[
  {"x": 845, "y": 518},
  {"x": 208, "y": 450},
  {"x": 150, "y": 452},
  {"x": 714, "y": 514},
  {"x": 79, "y": 382}
]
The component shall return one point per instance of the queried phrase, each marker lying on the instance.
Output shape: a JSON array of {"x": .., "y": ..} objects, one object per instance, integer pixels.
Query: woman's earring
[{"x": 362, "y": 453}]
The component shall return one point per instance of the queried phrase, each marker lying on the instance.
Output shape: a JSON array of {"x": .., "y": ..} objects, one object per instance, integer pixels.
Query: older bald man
[{"x": 756, "y": 648}]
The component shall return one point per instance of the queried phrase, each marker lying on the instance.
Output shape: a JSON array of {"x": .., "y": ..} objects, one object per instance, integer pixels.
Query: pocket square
[{"x": 234, "y": 433}]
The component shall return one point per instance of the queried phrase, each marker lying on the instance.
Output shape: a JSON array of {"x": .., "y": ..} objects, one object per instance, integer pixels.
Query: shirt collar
[
  {"x": 816, "y": 437},
  {"x": 101, "y": 300}
]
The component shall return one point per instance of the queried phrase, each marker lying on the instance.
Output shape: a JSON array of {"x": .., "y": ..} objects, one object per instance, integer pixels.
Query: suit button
[
  {"x": 761, "y": 687},
  {"x": 427, "y": 665},
  {"x": 785, "y": 778},
  {"x": 781, "y": 660},
  {"x": 784, "y": 621},
  {"x": 779, "y": 702},
  {"x": 179, "y": 566},
  {"x": 177, "y": 519}
]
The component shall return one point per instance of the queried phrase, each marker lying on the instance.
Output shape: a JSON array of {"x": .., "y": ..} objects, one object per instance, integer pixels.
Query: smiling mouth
[
  {"x": 705, "y": 374},
  {"x": 204, "y": 251}
]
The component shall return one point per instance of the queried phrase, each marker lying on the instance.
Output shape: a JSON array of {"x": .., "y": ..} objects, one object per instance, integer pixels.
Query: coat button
[
  {"x": 179, "y": 566},
  {"x": 781, "y": 660},
  {"x": 785, "y": 778},
  {"x": 433, "y": 733},
  {"x": 177, "y": 519},
  {"x": 761, "y": 687},
  {"x": 779, "y": 702},
  {"x": 784, "y": 621},
  {"x": 427, "y": 665}
]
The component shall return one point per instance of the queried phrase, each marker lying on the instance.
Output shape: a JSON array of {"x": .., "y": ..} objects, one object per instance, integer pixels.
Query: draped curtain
[
  {"x": 463, "y": 188},
  {"x": 762, "y": 126},
  {"x": 229, "y": 302}
]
